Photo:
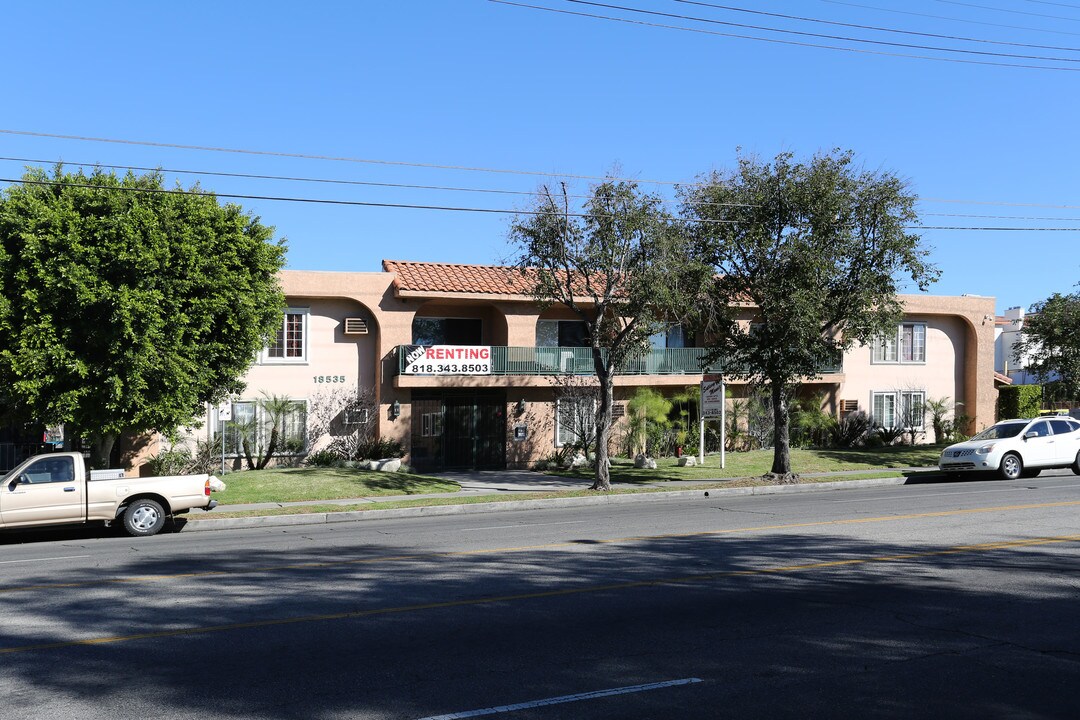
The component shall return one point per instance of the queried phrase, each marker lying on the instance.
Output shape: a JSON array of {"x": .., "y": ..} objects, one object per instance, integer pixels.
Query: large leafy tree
[
  {"x": 1049, "y": 347},
  {"x": 814, "y": 251},
  {"x": 616, "y": 263},
  {"x": 126, "y": 305}
]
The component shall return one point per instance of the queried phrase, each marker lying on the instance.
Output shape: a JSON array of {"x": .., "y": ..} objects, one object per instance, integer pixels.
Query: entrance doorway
[{"x": 459, "y": 431}]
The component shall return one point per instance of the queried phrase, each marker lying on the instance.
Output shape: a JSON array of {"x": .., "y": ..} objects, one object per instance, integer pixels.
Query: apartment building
[{"x": 466, "y": 371}]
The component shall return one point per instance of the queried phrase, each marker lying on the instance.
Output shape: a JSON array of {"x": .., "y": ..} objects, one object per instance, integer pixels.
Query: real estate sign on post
[{"x": 712, "y": 397}]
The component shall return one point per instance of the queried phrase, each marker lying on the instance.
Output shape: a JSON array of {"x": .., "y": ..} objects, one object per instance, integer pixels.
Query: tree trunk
[
  {"x": 101, "y": 447},
  {"x": 271, "y": 448},
  {"x": 603, "y": 426},
  {"x": 781, "y": 438}
]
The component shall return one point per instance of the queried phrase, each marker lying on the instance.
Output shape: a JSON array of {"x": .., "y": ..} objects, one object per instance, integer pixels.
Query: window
[
  {"x": 253, "y": 423},
  {"x": 561, "y": 333},
  {"x": 290, "y": 343},
  {"x": 673, "y": 336},
  {"x": 574, "y": 420},
  {"x": 447, "y": 331},
  {"x": 50, "y": 470},
  {"x": 907, "y": 346},
  {"x": 900, "y": 409},
  {"x": 1063, "y": 426}
]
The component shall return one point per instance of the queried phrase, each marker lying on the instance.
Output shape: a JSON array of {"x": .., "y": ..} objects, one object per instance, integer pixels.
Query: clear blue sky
[{"x": 477, "y": 84}]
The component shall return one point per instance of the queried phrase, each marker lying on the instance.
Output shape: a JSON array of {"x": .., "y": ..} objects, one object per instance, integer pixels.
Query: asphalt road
[{"x": 929, "y": 600}]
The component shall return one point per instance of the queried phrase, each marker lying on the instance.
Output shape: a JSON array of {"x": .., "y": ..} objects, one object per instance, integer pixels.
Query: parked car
[{"x": 1017, "y": 448}]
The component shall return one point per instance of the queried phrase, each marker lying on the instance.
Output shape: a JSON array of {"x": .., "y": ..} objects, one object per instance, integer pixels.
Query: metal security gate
[{"x": 459, "y": 432}]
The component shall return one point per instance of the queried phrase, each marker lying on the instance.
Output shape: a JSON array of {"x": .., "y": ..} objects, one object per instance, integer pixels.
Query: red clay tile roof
[
  {"x": 446, "y": 277},
  {"x": 1003, "y": 379}
]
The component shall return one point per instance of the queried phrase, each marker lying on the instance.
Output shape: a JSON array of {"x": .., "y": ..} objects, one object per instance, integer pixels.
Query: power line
[
  {"x": 446, "y": 187},
  {"x": 306, "y": 156},
  {"x": 1046, "y": 2},
  {"x": 1000, "y": 217},
  {"x": 874, "y": 27},
  {"x": 288, "y": 178},
  {"x": 802, "y": 33},
  {"x": 319, "y": 201},
  {"x": 950, "y": 19},
  {"x": 1001, "y": 203},
  {"x": 1004, "y": 10},
  {"x": 778, "y": 41},
  {"x": 407, "y": 206}
]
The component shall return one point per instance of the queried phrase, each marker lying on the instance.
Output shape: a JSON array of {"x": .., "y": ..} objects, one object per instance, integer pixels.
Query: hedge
[{"x": 1019, "y": 401}]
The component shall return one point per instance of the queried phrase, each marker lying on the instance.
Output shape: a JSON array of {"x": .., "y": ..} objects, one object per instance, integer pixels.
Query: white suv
[{"x": 1017, "y": 448}]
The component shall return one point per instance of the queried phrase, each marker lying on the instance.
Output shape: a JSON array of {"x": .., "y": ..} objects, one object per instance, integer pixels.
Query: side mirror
[{"x": 1030, "y": 434}]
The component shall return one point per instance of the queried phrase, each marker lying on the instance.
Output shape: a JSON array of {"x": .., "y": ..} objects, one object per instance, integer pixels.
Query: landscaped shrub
[
  {"x": 852, "y": 430},
  {"x": 325, "y": 458},
  {"x": 379, "y": 449},
  {"x": 177, "y": 461},
  {"x": 1019, "y": 401}
]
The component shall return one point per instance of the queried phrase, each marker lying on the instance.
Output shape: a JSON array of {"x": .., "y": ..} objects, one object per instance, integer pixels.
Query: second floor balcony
[{"x": 553, "y": 361}]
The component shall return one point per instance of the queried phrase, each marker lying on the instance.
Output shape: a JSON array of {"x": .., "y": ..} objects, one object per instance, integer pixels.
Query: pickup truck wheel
[{"x": 144, "y": 517}]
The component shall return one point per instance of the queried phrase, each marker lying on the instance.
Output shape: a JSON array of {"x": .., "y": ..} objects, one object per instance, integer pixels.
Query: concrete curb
[{"x": 512, "y": 505}]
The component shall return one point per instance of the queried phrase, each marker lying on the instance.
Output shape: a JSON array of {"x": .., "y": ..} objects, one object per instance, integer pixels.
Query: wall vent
[{"x": 355, "y": 326}]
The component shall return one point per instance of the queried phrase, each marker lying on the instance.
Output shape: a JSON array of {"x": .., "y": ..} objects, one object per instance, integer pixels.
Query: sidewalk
[{"x": 497, "y": 482}]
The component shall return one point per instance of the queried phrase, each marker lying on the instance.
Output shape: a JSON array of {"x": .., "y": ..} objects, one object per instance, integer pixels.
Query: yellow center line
[
  {"x": 210, "y": 574},
  {"x": 562, "y": 592}
]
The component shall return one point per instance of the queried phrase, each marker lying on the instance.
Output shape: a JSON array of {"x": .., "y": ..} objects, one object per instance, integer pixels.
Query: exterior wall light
[
  {"x": 395, "y": 410},
  {"x": 521, "y": 406}
]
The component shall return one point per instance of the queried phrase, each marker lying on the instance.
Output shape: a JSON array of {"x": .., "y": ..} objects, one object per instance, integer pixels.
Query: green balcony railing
[{"x": 579, "y": 361}]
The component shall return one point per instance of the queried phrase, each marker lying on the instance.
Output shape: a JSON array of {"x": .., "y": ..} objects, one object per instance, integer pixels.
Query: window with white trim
[
  {"x": 291, "y": 341},
  {"x": 575, "y": 418},
  {"x": 908, "y": 345},
  {"x": 253, "y": 423},
  {"x": 899, "y": 409}
]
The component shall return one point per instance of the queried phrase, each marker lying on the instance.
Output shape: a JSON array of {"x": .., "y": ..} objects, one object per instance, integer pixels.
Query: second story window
[
  {"x": 447, "y": 331},
  {"x": 908, "y": 345},
  {"x": 561, "y": 333},
  {"x": 290, "y": 342}
]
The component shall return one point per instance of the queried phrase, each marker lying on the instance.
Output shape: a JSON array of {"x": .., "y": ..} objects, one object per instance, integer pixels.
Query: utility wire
[
  {"x": 320, "y": 201},
  {"x": 1045, "y": 2},
  {"x": 439, "y": 187},
  {"x": 288, "y": 178},
  {"x": 1004, "y": 10},
  {"x": 874, "y": 27},
  {"x": 359, "y": 203},
  {"x": 306, "y": 156},
  {"x": 802, "y": 33},
  {"x": 949, "y": 19},
  {"x": 778, "y": 41}
]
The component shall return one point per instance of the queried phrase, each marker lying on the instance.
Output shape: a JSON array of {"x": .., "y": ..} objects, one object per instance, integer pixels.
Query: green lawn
[
  {"x": 315, "y": 483},
  {"x": 759, "y": 462}
]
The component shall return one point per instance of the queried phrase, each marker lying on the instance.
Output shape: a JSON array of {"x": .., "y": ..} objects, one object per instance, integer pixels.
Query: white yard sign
[
  {"x": 712, "y": 398},
  {"x": 447, "y": 360}
]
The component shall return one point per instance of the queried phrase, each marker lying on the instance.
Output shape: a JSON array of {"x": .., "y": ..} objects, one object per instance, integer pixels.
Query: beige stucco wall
[{"x": 960, "y": 355}]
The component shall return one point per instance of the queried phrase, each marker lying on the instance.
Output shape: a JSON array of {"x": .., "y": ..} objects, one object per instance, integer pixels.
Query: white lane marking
[
  {"x": 563, "y": 699},
  {"x": 68, "y": 557},
  {"x": 520, "y": 525}
]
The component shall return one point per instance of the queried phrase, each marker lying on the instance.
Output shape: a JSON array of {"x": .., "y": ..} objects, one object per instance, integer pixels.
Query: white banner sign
[
  {"x": 712, "y": 399},
  {"x": 447, "y": 360}
]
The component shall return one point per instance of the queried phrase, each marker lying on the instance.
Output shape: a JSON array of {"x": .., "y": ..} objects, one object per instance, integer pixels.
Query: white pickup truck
[{"x": 56, "y": 488}]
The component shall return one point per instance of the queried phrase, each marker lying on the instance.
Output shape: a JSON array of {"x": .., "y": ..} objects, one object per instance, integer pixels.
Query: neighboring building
[
  {"x": 1010, "y": 329},
  {"x": 485, "y": 390}
]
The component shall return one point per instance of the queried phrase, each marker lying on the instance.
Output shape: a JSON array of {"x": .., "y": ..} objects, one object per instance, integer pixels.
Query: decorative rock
[
  {"x": 644, "y": 461},
  {"x": 578, "y": 461},
  {"x": 687, "y": 461},
  {"x": 386, "y": 465}
]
